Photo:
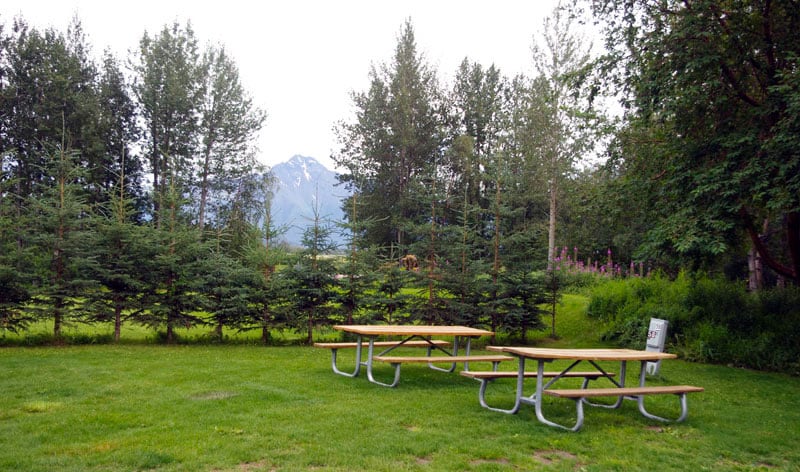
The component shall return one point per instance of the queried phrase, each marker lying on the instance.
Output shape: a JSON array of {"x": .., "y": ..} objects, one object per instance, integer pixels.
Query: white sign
[{"x": 656, "y": 338}]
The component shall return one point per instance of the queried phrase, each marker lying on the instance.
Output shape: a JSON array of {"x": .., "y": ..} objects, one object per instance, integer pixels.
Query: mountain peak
[
  {"x": 298, "y": 160},
  {"x": 304, "y": 186}
]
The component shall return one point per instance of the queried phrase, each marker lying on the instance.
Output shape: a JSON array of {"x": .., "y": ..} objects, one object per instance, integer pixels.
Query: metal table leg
[
  {"x": 369, "y": 363},
  {"x": 453, "y": 366},
  {"x": 518, "y": 396},
  {"x": 359, "y": 363}
]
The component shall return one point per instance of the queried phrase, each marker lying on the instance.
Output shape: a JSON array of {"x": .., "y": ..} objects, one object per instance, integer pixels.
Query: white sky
[{"x": 301, "y": 59}]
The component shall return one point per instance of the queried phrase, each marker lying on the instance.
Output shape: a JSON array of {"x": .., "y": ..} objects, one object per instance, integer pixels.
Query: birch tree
[{"x": 562, "y": 132}]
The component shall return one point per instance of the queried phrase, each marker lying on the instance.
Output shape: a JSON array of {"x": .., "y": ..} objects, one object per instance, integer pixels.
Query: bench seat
[
  {"x": 430, "y": 345},
  {"x": 397, "y": 361},
  {"x": 490, "y": 374},
  {"x": 485, "y": 377},
  {"x": 617, "y": 392},
  {"x": 439, "y": 359},
  {"x": 347, "y": 345},
  {"x": 637, "y": 393}
]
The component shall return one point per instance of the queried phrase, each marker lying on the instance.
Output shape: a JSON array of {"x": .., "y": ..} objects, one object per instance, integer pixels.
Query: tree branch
[{"x": 771, "y": 262}]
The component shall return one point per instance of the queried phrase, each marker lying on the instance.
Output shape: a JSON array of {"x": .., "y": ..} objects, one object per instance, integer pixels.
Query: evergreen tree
[
  {"x": 265, "y": 256},
  {"x": 118, "y": 132},
  {"x": 60, "y": 225},
  {"x": 47, "y": 100},
  {"x": 310, "y": 279},
  {"x": 175, "y": 275},
  {"x": 122, "y": 248},
  {"x": 390, "y": 300},
  {"x": 480, "y": 98},
  {"x": 15, "y": 263},
  {"x": 232, "y": 292},
  {"x": 396, "y": 134},
  {"x": 465, "y": 269},
  {"x": 520, "y": 296},
  {"x": 360, "y": 271}
]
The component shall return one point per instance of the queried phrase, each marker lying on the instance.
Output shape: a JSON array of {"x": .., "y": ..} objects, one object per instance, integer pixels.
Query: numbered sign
[{"x": 656, "y": 338}]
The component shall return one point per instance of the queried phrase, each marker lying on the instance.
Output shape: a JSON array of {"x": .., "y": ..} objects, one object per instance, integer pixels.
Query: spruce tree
[
  {"x": 310, "y": 279},
  {"x": 232, "y": 293},
  {"x": 15, "y": 263},
  {"x": 61, "y": 227},
  {"x": 396, "y": 134},
  {"x": 122, "y": 248},
  {"x": 174, "y": 275}
]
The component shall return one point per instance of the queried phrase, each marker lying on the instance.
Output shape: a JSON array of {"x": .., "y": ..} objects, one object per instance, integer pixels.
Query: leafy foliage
[
  {"x": 717, "y": 81},
  {"x": 710, "y": 319}
]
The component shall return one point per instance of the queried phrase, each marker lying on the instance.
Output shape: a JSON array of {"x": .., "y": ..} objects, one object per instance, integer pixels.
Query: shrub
[{"x": 711, "y": 319}]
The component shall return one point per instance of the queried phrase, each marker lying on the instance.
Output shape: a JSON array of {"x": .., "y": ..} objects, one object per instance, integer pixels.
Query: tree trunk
[
  {"x": 792, "y": 231},
  {"x": 754, "y": 268},
  {"x": 265, "y": 328},
  {"x": 496, "y": 264},
  {"x": 310, "y": 337},
  {"x": 551, "y": 227},
  {"x": 206, "y": 171},
  {"x": 754, "y": 264},
  {"x": 117, "y": 318},
  {"x": 58, "y": 315}
]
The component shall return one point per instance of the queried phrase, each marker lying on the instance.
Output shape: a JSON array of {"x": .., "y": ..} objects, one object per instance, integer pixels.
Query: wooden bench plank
[
  {"x": 439, "y": 359},
  {"x": 627, "y": 391},
  {"x": 488, "y": 374},
  {"x": 346, "y": 345}
]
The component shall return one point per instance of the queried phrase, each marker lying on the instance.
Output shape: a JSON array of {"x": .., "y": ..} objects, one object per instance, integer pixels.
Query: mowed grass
[{"x": 251, "y": 408}]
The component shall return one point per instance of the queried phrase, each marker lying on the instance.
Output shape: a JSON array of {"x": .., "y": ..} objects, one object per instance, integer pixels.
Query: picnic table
[
  {"x": 545, "y": 380},
  {"x": 411, "y": 336}
]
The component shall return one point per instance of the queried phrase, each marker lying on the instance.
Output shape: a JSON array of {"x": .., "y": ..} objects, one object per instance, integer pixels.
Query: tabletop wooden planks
[
  {"x": 583, "y": 354},
  {"x": 412, "y": 330}
]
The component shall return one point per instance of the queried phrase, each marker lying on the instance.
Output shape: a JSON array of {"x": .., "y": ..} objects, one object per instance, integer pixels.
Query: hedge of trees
[{"x": 134, "y": 194}]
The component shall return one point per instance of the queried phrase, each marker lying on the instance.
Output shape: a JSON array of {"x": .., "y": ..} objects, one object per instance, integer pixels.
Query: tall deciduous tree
[
  {"x": 561, "y": 137},
  {"x": 169, "y": 93},
  {"x": 229, "y": 123},
  {"x": 721, "y": 80}
]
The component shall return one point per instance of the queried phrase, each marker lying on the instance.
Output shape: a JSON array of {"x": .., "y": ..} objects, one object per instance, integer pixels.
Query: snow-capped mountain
[{"x": 303, "y": 185}]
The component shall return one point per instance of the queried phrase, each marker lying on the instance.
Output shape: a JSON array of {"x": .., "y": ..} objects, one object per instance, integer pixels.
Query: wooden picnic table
[
  {"x": 412, "y": 336},
  {"x": 544, "y": 380}
]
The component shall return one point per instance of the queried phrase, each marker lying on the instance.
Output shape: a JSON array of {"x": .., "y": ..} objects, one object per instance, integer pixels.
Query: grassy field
[{"x": 251, "y": 408}]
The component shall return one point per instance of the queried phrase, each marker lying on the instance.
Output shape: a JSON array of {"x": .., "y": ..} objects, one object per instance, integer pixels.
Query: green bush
[
  {"x": 710, "y": 319},
  {"x": 579, "y": 280}
]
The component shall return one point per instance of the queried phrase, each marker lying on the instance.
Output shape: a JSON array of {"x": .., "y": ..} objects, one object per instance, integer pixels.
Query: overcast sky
[{"x": 301, "y": 59}]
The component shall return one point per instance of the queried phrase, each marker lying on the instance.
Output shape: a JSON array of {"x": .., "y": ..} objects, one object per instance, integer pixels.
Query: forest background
[{"x": 131, "y": 190}]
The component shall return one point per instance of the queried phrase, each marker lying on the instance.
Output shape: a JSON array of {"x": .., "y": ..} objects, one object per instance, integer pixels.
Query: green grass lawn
[{"x": 250, "y": 408}]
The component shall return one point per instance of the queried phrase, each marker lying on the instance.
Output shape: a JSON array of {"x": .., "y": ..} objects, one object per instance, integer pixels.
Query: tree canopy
[{"x": 712, "y": 87}]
